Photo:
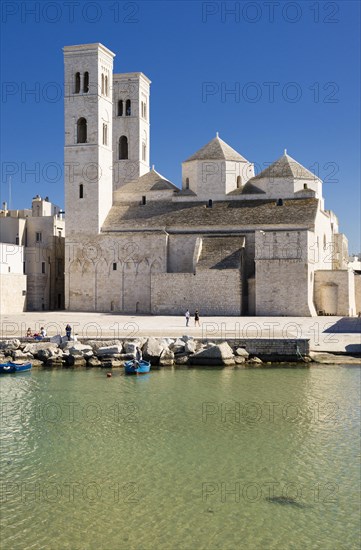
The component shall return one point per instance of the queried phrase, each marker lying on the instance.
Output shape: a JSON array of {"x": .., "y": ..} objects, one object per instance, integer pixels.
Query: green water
[{"x": 184, "y": 459}]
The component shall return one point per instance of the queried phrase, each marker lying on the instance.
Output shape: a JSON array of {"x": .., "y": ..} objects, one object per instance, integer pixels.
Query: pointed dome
[
  {"x": 151, "y": 181},
  {"x": 286, "y": 167},
  {"x": 217, "y": 149}
]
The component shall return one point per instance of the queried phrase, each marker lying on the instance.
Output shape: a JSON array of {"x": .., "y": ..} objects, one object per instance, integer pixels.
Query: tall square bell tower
[
  {"x": 88, "y": 155},
  {"x": 131, "y": 127}
]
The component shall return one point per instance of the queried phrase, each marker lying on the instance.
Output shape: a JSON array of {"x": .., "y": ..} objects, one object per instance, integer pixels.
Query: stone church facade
[{"x": 229, "y": 242}]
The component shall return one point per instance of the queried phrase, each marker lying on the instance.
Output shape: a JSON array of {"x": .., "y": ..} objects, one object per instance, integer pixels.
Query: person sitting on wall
[
  {"x": 43, "y": 332},
  {"x": 29, "y": 334}
]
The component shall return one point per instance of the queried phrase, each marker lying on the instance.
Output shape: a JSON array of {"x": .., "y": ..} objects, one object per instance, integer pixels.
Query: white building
[
  {"x": 38, "y": 236},
  {"x": 228, "y": 242}
]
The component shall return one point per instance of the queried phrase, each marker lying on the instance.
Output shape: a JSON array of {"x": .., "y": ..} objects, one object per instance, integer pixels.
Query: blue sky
[{"x": 294, "y": 68}]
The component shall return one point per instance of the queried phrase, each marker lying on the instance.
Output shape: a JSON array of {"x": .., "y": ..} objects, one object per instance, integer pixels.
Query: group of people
[
  {"x": 196, "y": 318},
  {"x": 37, "y": 335},
  {"x": 42, "y": 334}
]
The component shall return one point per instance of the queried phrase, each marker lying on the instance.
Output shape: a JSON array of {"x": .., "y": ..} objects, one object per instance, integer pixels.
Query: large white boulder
[
  {"x": 152, "y": 350},
  {"x": 35, "y": 347},
  {"x": 217, "y": 355},
  {"x": 167, "y": 358},
  {"x": 12, "y": 344},
  {"x": 109, "y": 350},
  {"x": 241, "y": 352}
]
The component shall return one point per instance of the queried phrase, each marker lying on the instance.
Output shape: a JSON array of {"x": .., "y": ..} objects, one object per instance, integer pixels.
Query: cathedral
[{"x": 228, "y": 242}]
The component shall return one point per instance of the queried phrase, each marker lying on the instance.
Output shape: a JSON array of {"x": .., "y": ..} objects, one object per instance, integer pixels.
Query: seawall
[{"x": 161, "y": 352}]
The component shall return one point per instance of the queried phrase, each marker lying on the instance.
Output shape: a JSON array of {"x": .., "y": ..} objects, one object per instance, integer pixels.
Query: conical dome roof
[
  {"x": 287, "y": 168},
  {"x": 217, "y": 149}
]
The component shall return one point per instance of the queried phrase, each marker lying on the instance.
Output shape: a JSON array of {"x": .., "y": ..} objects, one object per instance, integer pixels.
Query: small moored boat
[
  {"x": 137, "y": 367},
  {"x": 9, "y": 367}
]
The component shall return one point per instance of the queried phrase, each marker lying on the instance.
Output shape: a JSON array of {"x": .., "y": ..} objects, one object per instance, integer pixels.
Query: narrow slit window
[
  {"x": 86, "y": 82},
  {"x": 77, "y": 83},
  {"x": 114, "y": 266},
  {"x": 105, "y": 134},
  {"x": 144, "y": 151},
  {"x": 120, "y": 107},
  {"x": 81, "y": 191},
  {"x": 128, "y": 108}
]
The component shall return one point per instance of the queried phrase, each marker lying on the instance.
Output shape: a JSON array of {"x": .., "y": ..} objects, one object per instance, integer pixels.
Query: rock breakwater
[{"x": 59, "y": 352}]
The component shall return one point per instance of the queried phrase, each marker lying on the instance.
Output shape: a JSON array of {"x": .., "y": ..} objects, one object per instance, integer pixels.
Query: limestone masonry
[{"x": 228, "y": 242}]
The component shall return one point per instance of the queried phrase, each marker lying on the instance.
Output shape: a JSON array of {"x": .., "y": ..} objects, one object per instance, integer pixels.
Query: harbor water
[{"x": 181, "y": 459}]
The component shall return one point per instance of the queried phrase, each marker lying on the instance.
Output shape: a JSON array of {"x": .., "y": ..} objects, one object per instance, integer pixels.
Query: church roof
[
  {"x": 287, "y": 168},
  {"x": 217, "y": 149},
  {"x": 151, "y": 181},
  {"x": 247, "y": 189},
  {"x": 229, "y": 214}
]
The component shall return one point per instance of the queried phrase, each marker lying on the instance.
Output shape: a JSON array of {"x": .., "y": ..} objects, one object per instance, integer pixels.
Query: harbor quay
[{"x": 325, "y": 334}]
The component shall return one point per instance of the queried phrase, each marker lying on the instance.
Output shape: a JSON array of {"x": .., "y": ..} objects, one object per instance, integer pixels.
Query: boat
[
  {"x": 134, "y": 367},
  {"x": 10, "y": 368}
]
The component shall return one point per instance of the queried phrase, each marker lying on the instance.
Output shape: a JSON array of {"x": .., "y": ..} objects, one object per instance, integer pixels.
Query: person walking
[
  {"x": 68, "y": 331},
  {"x": 187, "y": 315},
  {"x": 196, "y": 318}
]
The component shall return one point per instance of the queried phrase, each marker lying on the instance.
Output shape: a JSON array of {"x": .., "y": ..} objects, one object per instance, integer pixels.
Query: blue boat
[
  {"x": 135, "y": 367},
  {"x": 10, "y": 368}
]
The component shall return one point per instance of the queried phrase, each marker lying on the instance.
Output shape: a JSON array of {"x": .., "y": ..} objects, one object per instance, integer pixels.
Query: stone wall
[
  {"x": 282, "y": 276},
  {"x": 113, "y": 273},
  {"x": 180, "y": 253},
  {"x": 273, "y": 349},
  {"x": 358, "y": 293},
  {"x": 213, "y": 292},
  {"x": 12, "y": 293},
  {"x": 335, "y": 292}
]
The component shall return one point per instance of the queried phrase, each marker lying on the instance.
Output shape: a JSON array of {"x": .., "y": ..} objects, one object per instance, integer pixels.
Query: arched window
[
  {"x": 81, "y": 191},
  {"x": 106, "y": 86},
  {"x": 187, "y": 183},
  {"x": 105, "y": 134},
  {"x": 120, "y": 107},
  {"x": 123, "y": 148},
  {"x": 86, "y": 82},
  {"x": 128, "y": 108},
  {"x": 81, "y": 130},
  {"x": 144, "y": 151},
  {"x": 102, "y": 84},
  {"x": 77, "y": 83},
  {"x": 239, "y": 182}
]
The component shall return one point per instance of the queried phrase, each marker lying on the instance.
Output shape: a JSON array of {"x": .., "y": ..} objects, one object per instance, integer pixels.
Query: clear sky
[{"x": 267, "y": 75}]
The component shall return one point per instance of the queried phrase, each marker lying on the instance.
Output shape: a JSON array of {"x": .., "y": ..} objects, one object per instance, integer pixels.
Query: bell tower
[
  {"x": 88, "y": 174},
  {"x": 131, "y": 127}
]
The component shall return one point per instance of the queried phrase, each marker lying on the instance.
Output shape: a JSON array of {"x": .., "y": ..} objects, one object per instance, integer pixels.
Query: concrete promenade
[{"x": 333, "y": 334}]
